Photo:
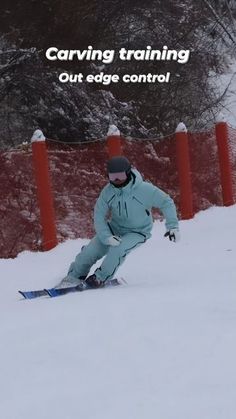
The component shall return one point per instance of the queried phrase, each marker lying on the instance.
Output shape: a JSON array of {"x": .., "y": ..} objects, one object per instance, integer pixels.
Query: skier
[{"x": 122, "y": 221}]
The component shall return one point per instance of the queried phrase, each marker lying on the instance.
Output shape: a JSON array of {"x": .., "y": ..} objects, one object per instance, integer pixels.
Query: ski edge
[{"x": 52, "y": 292}]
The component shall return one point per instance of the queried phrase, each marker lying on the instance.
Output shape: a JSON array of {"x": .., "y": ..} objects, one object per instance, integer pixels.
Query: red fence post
[
  {"x": 183, "y": 166},
  {"x": 114, "y": 142},
  {"x": 44, "y": 192},
  {"x": 221, "y": 130}
]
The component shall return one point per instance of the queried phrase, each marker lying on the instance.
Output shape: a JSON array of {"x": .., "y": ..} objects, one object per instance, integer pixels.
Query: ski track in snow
[{"x": 162, "y": 346}]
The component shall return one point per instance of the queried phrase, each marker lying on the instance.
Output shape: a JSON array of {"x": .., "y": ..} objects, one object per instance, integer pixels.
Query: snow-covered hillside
[{"x": 162, "y": 346}]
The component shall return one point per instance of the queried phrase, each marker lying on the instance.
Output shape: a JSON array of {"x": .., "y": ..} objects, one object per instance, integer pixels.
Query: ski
[
  {"x": 29, "y": 295},
  {"x": 55, "y": 292}
]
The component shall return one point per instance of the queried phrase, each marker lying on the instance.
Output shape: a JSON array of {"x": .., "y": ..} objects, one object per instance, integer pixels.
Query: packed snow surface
[{"x": 162, "y": 346}]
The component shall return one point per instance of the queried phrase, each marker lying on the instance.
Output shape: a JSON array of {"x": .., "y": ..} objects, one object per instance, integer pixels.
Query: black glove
[{"x": 173, "y": 234}]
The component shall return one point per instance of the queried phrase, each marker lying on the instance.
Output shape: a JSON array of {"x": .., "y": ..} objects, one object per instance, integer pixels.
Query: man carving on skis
[{"x": 122, "y": 221}]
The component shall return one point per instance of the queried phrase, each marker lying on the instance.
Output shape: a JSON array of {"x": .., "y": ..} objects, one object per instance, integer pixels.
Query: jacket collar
[{"x": 136, "y": 179}]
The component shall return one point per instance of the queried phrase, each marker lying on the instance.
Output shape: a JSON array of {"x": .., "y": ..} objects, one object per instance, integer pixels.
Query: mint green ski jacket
[{"x": 124, "y": 210}]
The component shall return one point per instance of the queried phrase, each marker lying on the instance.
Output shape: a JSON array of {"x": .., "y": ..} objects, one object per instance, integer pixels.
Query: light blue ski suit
[{"x": 125, "y": 212}]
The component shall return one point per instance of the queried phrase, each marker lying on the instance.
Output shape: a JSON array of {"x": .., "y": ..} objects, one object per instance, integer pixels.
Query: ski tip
[
  {"x": 22, "y": 294},
  {"x": 29, "y": 295}
]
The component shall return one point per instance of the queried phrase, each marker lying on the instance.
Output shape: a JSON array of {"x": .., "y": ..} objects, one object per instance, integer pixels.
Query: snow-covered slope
[{"x": 162, "y": 346}]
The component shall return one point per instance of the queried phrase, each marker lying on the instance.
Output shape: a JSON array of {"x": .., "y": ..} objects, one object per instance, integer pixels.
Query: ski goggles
[{"x": 117, "y": 176}]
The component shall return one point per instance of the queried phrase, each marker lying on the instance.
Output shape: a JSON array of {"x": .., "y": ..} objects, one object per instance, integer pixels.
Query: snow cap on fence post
[
  {"x": 44, "y": 192},
  {"x": 114, "y": 141},
  {"x": 183, "y": 166},
  {"x": 221, "y": 130},
  {"x": 220, "y": 118},
  {"x": 37, "y": 136},
  {"x": 181, "y": 127}
]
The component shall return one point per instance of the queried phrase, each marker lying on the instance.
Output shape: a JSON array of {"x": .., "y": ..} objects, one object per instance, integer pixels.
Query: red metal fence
[{"x": 78, "y": 174}]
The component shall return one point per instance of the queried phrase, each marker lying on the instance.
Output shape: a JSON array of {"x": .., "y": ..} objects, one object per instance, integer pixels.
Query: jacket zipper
[
  {"x": 146, "y": 210},
  {"x": 126, "y": 211},
  {"x": 137, "y": 200}
]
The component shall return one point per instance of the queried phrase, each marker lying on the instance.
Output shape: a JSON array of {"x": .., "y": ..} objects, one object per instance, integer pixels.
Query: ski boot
[
  {"x": 93, "y": 282},
  {"x": 70, "y": 281}
]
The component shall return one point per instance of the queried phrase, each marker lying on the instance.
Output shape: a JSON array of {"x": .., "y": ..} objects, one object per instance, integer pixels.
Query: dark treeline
[{"x": 31, "y": 95}]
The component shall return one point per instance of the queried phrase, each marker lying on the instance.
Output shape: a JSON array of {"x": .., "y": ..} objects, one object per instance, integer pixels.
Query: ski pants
[{"x": 114, "y": 256}]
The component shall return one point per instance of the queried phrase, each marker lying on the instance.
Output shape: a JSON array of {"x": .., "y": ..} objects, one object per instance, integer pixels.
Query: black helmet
[{"x": 119, "y": 164}]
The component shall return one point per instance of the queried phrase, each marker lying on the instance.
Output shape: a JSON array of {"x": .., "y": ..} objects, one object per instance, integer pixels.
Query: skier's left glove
[{"x": 173, "y": 234}]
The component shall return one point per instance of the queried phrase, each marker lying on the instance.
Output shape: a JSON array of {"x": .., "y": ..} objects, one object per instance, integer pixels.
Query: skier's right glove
[
  {"x": 173, "y": 235},
  {"x": 114, "y": 241}
]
